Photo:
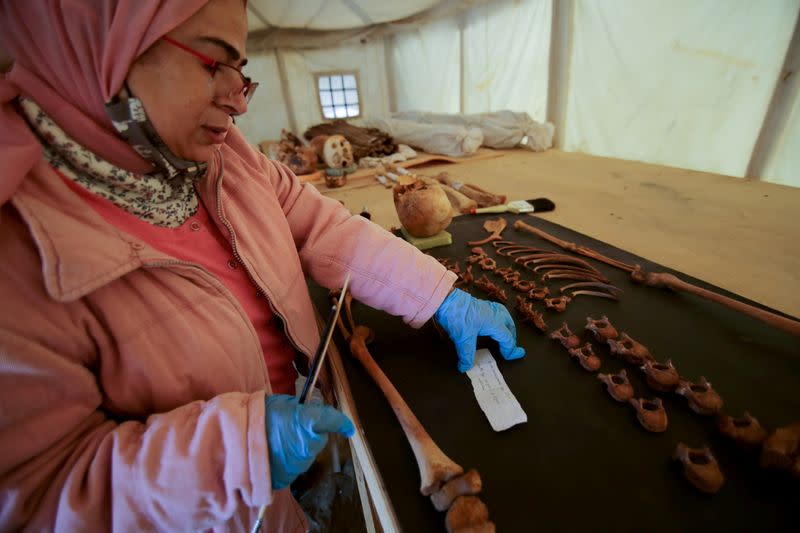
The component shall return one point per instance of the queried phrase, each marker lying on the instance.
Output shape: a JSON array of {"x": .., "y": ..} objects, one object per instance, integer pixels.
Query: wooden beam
[
  {"x": 787, "y": 89},
  {"x": 560, "y": 58}
]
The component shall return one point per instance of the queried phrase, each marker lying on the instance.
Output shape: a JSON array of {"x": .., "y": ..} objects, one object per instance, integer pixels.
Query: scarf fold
[
  {"x": 166, "y": 201},
  {"x": 71, "y": 58}
]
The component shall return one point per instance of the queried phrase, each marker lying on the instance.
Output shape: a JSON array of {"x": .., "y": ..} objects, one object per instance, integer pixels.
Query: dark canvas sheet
[{"x": 582, "y": 462}]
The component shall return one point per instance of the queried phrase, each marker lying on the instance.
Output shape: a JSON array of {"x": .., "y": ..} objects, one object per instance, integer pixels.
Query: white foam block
[{"x": 494, "y": 397}]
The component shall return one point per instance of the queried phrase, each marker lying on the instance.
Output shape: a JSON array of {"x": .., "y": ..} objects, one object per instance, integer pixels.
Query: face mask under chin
[{"x": 130, "y": 120}]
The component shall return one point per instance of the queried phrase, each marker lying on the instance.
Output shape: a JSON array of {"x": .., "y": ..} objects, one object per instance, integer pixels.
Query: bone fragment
[
  {"x": 464, "y": 485},
  {"x": 465, "y": 513}
]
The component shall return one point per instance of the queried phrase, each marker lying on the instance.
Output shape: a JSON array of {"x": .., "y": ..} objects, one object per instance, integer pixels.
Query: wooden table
[{"x": 738, "y": 234}]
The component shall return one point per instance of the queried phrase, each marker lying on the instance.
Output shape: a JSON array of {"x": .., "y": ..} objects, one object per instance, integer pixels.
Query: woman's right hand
[{"x": 296, "y": 433}]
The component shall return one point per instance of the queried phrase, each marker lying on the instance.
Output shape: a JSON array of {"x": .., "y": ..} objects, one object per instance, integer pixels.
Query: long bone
[
  {"x": 571, "y": 246},
  {"x": 666, "y": 280},
  {"x": 435, "y": 468}
]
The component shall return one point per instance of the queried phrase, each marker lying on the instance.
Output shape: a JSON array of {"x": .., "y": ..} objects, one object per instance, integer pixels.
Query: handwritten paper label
[{"x": 493, "y": 395}]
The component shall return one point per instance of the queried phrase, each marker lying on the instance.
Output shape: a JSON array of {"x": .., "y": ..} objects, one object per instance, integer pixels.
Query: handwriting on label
[{"x": 494, "y": 397}]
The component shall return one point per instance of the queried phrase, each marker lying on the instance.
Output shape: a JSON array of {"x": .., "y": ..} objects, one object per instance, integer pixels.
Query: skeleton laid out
[{"x": 666, "y": 280}]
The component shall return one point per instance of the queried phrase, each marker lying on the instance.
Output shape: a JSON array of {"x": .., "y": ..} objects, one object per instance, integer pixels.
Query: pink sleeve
[
  {"x": 387, "y": 272},
  {"x": 64, "y": 465}
]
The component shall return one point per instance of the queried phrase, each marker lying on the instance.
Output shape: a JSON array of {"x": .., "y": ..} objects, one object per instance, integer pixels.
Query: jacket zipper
[{"x": 238, "y": 257}]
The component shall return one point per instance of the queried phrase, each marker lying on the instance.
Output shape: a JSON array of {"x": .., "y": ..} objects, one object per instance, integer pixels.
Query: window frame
[{"x": 330, "y": 73}]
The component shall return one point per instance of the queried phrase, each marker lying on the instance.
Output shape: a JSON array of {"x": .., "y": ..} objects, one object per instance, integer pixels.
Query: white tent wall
[
  {"x": 425, "y": 65},
  {"x": 505, "y": 61},
  {"x": 368, "y": 60},
  {"x": 506, "y": 57},
  {"x": 684, "y": 83},
  {"x": 267, "y": 112}
]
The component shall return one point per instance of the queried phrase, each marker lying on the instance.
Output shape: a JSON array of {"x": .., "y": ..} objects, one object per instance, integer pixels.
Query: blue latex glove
[
  {"x": 464, "y": 318},
  {"x": 296, "y": 433}
]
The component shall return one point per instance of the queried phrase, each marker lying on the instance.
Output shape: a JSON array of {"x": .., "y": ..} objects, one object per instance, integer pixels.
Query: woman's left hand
[{"x": 464, "y": 318}]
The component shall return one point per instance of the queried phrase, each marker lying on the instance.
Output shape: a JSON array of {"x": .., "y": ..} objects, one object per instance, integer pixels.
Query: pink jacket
[{"x": 132, "y": 384}]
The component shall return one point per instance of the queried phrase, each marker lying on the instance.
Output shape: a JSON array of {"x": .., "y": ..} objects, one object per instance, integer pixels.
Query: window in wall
[{"x": 338, "y": 95}]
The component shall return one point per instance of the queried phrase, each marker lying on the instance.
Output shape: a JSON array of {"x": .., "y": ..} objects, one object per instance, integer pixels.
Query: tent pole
[
  {"x": 461, "y": 65},
  {"x": 388, "y": 63},
  {"x": 787, "y": 90},
  {"x": 287, "y": 95},
  {"x": 560, "y": 59}
]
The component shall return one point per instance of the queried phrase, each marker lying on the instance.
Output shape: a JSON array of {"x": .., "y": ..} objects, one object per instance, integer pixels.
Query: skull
[{"x": 337, "y": 152}]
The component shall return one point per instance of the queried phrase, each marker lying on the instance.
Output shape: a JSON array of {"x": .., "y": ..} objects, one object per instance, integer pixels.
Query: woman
[{"x": 153, "y": 278}]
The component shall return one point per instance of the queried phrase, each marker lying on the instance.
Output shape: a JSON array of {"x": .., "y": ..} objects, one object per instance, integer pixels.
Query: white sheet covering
[
  {"x": 445, "y": 139},
  {"x": 501, "y": 129}
]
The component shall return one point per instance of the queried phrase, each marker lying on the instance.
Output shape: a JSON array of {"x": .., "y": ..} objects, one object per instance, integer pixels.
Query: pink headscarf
[{"x": 71, "y": 57}]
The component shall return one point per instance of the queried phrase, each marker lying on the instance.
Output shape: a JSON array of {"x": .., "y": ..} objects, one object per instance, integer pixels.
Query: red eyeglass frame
[{"x": 248, "y": 85}]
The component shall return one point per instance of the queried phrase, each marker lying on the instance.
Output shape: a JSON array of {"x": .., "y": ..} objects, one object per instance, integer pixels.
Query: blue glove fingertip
[
  {"x": 347, "y": 429},
  {"x": 516, "y": 353}
]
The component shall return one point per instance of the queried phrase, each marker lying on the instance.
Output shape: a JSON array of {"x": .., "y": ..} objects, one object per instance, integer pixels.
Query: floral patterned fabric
[{"x": 158, "y": 200}]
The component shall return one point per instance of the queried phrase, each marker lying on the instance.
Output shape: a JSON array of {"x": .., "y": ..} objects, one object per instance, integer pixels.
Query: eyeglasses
[{"x": 248, "y": 86}]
